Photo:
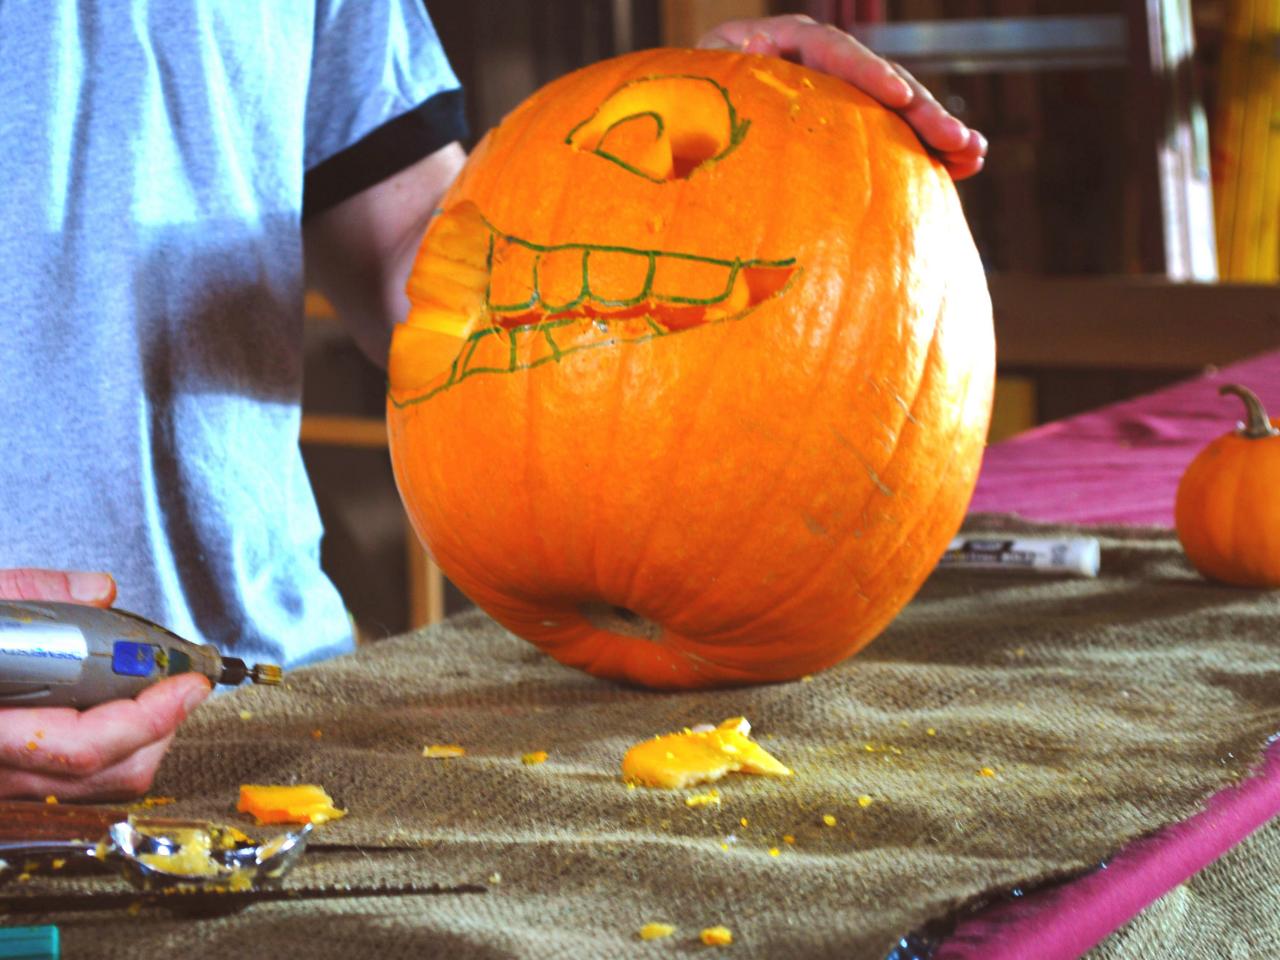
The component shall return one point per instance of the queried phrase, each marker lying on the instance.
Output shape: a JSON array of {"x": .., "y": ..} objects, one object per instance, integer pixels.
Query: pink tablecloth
[{"x": 1118, "y": 465}]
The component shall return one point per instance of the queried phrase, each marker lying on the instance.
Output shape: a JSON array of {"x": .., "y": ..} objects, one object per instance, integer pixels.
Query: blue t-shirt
[{"x": 156, "y": 161}]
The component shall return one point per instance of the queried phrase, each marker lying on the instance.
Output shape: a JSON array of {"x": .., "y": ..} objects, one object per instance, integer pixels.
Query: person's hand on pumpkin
[
  {"x": 110, "y": 751},
  {"x": 831, "y": 50}
]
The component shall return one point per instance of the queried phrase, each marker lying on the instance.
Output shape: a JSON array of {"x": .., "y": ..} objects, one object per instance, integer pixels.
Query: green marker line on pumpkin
[{"x": 646, "y": 295}]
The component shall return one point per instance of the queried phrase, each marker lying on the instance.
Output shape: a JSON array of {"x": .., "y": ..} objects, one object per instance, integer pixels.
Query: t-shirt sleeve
[{"x": 382, "y": 96}]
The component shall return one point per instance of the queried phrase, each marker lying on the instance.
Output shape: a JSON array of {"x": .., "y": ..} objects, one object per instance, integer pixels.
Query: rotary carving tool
[{"x": 68, "y": 655}]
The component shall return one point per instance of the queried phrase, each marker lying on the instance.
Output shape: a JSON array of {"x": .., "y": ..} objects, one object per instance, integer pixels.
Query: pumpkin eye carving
[{"x": 662, "y": 128}]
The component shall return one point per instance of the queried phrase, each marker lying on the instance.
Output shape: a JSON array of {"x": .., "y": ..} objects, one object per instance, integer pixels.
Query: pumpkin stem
[{"x": 1257, "y": 426}]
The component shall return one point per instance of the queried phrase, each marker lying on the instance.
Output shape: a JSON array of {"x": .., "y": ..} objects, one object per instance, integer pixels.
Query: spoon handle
[{"x": 46, "y": 848}]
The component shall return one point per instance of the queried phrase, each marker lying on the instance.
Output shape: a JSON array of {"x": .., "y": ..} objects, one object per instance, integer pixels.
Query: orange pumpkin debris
[
  {"x": 441, "y": 751},
  {"x": 697, "y": 756},
  {"x": 302, "y": 803},
  {"x": 716, "y": 936},
  {"x": 656, "y": 931}
]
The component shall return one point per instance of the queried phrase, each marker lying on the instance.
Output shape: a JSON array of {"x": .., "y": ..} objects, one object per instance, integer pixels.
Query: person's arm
[
  {"x": 110, "y": 751},
  {"x": 833, "y": 51},
  {"x": 359, "y": 252}
]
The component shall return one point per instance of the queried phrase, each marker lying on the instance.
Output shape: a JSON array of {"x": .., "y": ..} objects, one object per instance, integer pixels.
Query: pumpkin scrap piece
[
  {"x": 303, "y": 803},
  {"x": 437, "y": 751},
  {"x": 683, "y": 759},
  {"x": 710, "y": 798},
  {"x": 192, "y": 858},
  {"x": 656, "y": 931},
  {"x": 147, "y": 803},
  {"x": 716, "y": 936}
]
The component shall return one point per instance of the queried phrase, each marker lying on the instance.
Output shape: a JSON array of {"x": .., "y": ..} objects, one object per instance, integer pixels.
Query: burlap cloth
[
  {"x": 1228, "y": 911},
  {"x": 1007, "y": 730}
]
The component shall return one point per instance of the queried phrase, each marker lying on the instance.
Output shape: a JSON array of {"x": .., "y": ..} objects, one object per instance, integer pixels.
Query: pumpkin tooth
[
  {"x": 513, "y": 267},
  {"x": 561, "y": 278},
  {"x": 701, "y": 281},
  {"x": 737, "y": 300},
  {"x": 619, "y": 277}
]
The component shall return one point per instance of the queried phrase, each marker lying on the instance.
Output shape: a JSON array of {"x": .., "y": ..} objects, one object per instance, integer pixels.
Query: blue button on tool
[{"x": 132, "y": 659}]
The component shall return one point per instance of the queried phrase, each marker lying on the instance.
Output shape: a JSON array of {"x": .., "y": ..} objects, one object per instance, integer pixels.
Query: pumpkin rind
[{"x": 744, "y": 483}]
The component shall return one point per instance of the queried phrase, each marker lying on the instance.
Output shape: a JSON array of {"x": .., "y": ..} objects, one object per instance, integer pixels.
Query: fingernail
[
  {"x": 89, "y": 587},
  {"x": 952, "y": 134},
  {"x": 195, "y": 696}
]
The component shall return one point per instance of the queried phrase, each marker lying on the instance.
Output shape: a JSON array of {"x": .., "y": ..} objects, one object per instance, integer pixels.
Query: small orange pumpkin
[
  {"x": 1226, "y": 513},
  {"x": 698, "y": 372}
]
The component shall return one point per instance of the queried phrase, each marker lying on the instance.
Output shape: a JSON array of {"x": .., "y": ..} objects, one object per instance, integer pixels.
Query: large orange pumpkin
[{"x": 698, "y": 373}]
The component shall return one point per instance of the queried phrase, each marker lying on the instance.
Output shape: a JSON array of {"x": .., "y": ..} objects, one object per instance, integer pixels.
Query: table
[
  {"x": 1120, "y": 465},
  {"x": 1002, "y": 731}
]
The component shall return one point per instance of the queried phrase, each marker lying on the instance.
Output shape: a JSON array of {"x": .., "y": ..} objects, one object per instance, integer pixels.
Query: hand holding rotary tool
[
  {"x": 109, "y": 751},
  {"x": 67, "y": 654}
]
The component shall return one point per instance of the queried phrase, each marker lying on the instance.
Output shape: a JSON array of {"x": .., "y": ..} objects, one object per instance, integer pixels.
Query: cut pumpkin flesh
[
  {"x": 303, "y": 803},
  {"x": 699, "y": 756}
]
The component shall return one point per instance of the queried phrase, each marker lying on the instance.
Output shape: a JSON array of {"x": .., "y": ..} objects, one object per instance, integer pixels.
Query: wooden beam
[
  {"x": 343, "y": 431},
  {"x": 425, "y": 581},
  {"x": 426, "y": 585},
  {"x": 684, "y": 21},
  {"x": 1130, "y": 323}
]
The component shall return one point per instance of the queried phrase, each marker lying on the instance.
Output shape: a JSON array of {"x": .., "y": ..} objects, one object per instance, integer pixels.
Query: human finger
[
  {"x": 126, "y": 779},
  {"x": 75, "y": 586},
  {"x": 67, "y": 743},
  {"x": 932, "y": 122},
  {"x": 816, "y": 45}
]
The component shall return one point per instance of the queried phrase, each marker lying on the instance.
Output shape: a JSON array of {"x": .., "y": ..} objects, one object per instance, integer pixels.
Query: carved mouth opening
[{"x": 471, "y": 280}]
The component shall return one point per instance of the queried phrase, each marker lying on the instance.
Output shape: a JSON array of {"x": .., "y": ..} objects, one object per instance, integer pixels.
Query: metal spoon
[{"x": 190, "y": 857}]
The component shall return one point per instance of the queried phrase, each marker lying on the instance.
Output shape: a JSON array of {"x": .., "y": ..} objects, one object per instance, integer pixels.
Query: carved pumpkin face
[{"x": 698, "y": 371}]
